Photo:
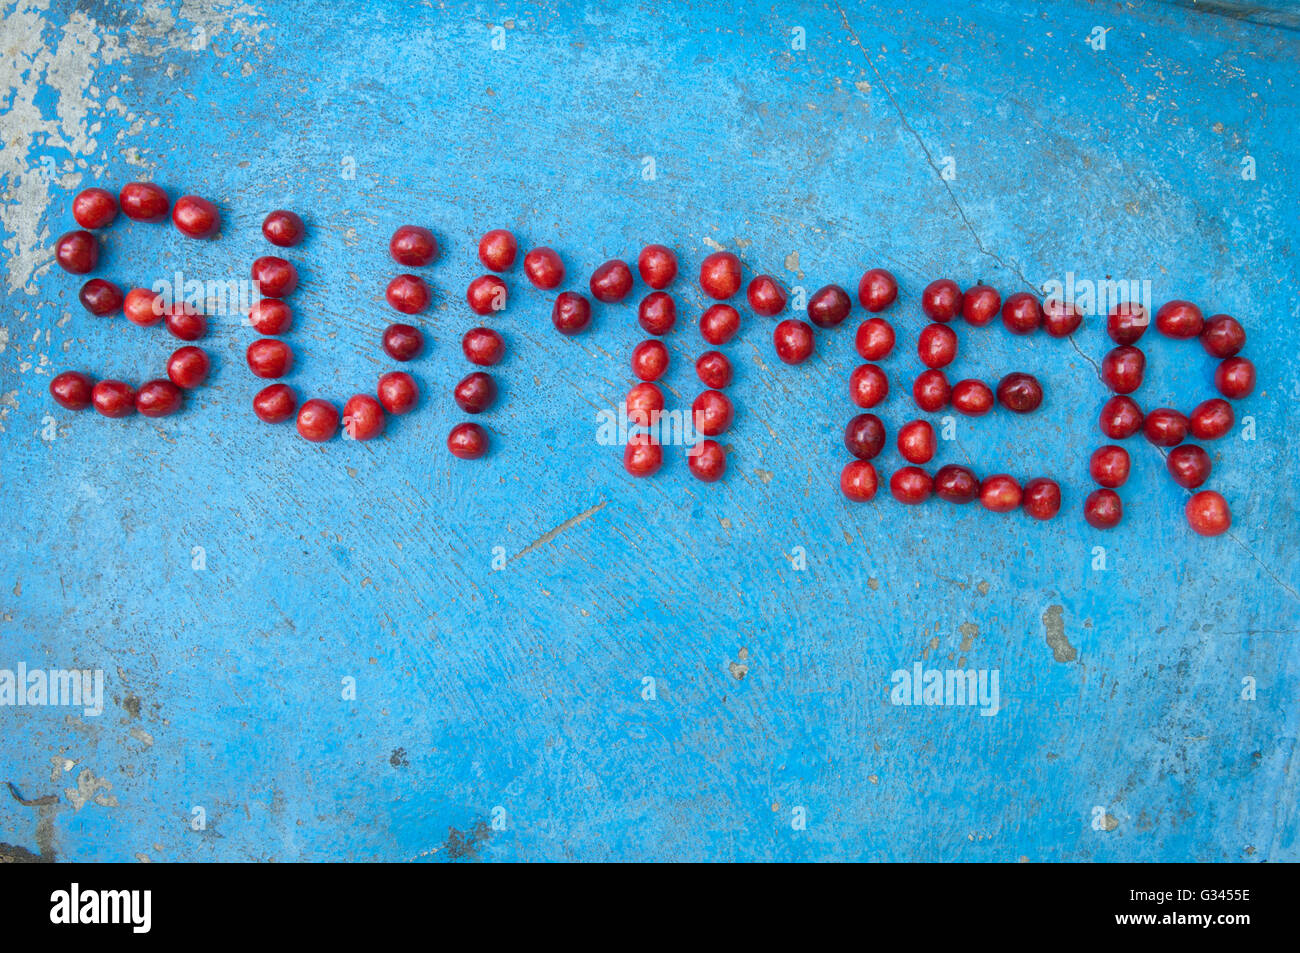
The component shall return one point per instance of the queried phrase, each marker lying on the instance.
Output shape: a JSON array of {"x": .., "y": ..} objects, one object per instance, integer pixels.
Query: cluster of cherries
[{"x": 77, "y": 252}]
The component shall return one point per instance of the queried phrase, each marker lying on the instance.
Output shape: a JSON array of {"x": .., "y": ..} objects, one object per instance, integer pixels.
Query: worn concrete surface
[{"x": 505, "y": 713}]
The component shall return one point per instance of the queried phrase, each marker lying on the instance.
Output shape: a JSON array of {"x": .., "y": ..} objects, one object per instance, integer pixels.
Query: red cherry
[
  {"x": 1120, "y": 418},
  {"x": 100, "y": 297},
  {"x": 413, "y": 246},
  {"x": 571, "y": 313},
  {"x": 467, "y": 441},
  {"x": 868, "y": 385},
  {"x": 1179, "y": 319},
  {"x": 407, "y": 294},
  {"x": 363, "y": 417},
  {"x": 144, "y": 202},
  {"x": 318, "y": 420},
  {"x": 158, "y": 399},
  {"x": 1020, "y": 393},
  {"x": 94, "y": 208},
  {"x": 1127, "y": 322},
  {"x": 402, "y": 342},
  {"x": 766, "y": 296},
  {"x": 486, "y": 294},
  {"x": 980, "y": 305},
  {"x": 71, "y": 390},
  {"x": 612, "y": 282},
  {"x": 1042, "y": 498},
  {"x": 544, "y": 268},
  {"x": 1223, "y": 336},
  {"x": 877, "y": 290},
  {"x": 1021, "y": 313},
  {"x": 185, "y": 322},
  {"x": 476, "y": 392},
  {"x": 712, "y": 413},
  {"x": 937, "y": 345},
  {"x": 1109, "y": 466},
  {"x": 642, "y": 457},
  {"x": 1165, "y": 427},
  {"x": 195, "y": 217},
  {"x": 1000, "y": 493},
  {"x": 1211, "y": 419},
  {"x": 1103, "y": 509},
  {"x": 275, "y": 277},
  {"x": 1235, "y": 378},
  {"x": 864, "y": 436},
  {"x": 793, "y": 341},
  {"x": 916, "y": 441},
  {"x": 972, "y": 398},
  {"x": 911, "y": 485},
  {"x": 713, "y": 369},
  {"x": 858, "y": 481},
  {"x": 397, "y": 392},
  {"x": 720, "y": 275},
  {"x": 270, "y": 316},
  {"x": 1189, "y": 465},
  {"x": 829, "y": 306},
  {"x": 268, "y": 357},
  {"x": 1122, "y": 369},
  {"x": 188, "y": 367},
  {"x": 497, "y": 250},
  {"x": 649, "y": 360},
  {"x": 77, "y": 252},
  {"x": 113, "y": 398},
  {"x": 1060, "y": 319},
  {"x": 657, "y": 312},
  {"x": 483, "y": 346},
  {"x": 275, "y": 404},
  {"x": 956, "y": 484},
  {"x": 942, "y": 300},
  {"x": 930, "y": 391},
  {"x": 875, "y": 339},
  {"x": 283, "y": 228},
  {"x": 143, "y": 307},
  {"x": 644, "y": 404},
  {"x": 658, "y": 266},
  {"x": 707, "y": 461},
  {"x": 1208, "y": 513},
  {"x": 719, "y": 324}
]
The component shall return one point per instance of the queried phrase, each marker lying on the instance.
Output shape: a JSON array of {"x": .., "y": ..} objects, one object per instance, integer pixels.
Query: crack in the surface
[{"x": 549, "y": 535}]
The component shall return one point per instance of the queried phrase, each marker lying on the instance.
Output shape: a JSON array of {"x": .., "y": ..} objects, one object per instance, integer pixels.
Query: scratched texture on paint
[{"x": 499, "y": 712}]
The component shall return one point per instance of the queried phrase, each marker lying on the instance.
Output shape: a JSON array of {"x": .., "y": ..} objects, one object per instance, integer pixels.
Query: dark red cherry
[
  {"x": 476, "y": 392},
  {"x": 720, "y": 275},
  {"x": 413, "y": 246},
  {"x": 407, "y": 294},
  {"x": 1223, "y": 336},
  {"x": 877, "y": 290},
  {"x": 941, "y": 300},
  {"x": 402, "y": 342},
  {"x": 1120, "y": 418},
  {"x": 77, "y": 252},
  {"x": 1179, "y": 319},
  {"x": 972, "y": 398},
  {"x": 793, "y": 341},
  {"x": 956, "y": 484},
  {"x": 275, "y": 404},
  {"x": 1211, "y": 419},
  {"x": 1103, "y": 509},
  {"x": 195, "y": 217},
  {"x": 72, "y": 390},
  {"x": 1122, "y": 369},
  {"x": 657, "y": 265},
  {"x": 1127, "y": 322},
  {"x": 268, "y": 357},
  {"x": 916, "y": 441},
  {"x": 931, "y": 391},
  {"x": 275, "y": 277},
  {"x": 113, "y": 398},
  {"x": 483, "y": 346},
  {"x": 497, "y": 250},
  {"x": 707, "y": 461},
  {"x": 864, "y": 436},
  {"x": 875, "y": 339},
  {"x": 94, "y": 208},
  {"x": 269, "y": 316},
  {"x": 657, "y": 313},
  {"x": 398, "y": 392},
  {"x": 1042, "y": 498},
  {"x": 1021, "y": 313},
  {"x": 612, "y": 282},
  {"x": 467, "y": 441},
  {"x": 101, "y": 297},
  {"x": 719, "y": 324},
  {"x": 188, "y": 367},
  {"x": 712, "y": 412},
  {"x": 543, "y": 268},
  {"x": 1235, "y": 378},
  {"x": 766, "y": 296},
  {"x": 318, "y": 420},
  {"x": 1109, "y": 466},
  {"x": 858, "y": 481},
  {"x": 486, "y": 295},
  {"x": 937, "y": 345},
  {"x": 1208, "y": 513},
  {"x": 184, "y": 321},
  {"x": 911, "y": 485},
  {"x": 868, "y": 385},
  {"x": 1020, "y": 393},
  {"x": 283, "y": 228},
  {"x": 1189, "y": 465},
  {"x": 980, "y": 305},
  {"x": 713, "y": 370},
  {"x": 1165, "y": 427},
  {"x": 571, "y": 313},
  {"x": 158, "y": 398},
  {"x": 1060, "y": 319},
  {"x": 829, "y": 306},
  {"x": 144, "y": 202}
]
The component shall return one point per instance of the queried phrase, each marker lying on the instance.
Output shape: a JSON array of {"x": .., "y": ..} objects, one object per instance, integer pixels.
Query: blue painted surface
[{"x": 521, "y": 688}]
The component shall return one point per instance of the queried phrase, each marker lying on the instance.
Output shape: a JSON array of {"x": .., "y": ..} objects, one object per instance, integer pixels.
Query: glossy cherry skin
[
  {"x": 497, "y": 250},
  {"x": 916, "y": 441},
  {"x": 980, "y": 305},
  {"x": 483, "y": 346},
  {"x": 1189, "y": 465},
  {"x": 398, "y": 392},
  {"x": 318, "y": 420},
  {"x": 942, "y": 300},
  {"x": 877, "y": 290},
  {"x": 858, "y": 481},
  {"x": 270, "y": 316},
  {"x": 1020, "y": 393},
  {"x": 1122, "y": 369},
  {"x": 275, "y": 404},
  {"x": 1179, "y": 319},
  {"x": 911, "y": 485},
  {"x": 864, "y": 436},
  {"x": 868, "y": 385},
  {"x": 1042, "y": 498},
  {"x": 486, "y": 295},
  {"x": 1235, "y": 378},
  {"x": 793, "y": 341},
  {"x": 720, "y": 275},
  {"x": 195, "y": 217},
  {"x": 77, "y": 252},
  {"x": 476, "y": 392},
  {"x": 571, "y": 313},
  {"x": 1000, "y": 493},
  {"x": 144, "y": 202},
  {"x": 402, "y": 342},
  {"x": 930, "y": 391},
  {"x": 612, "y": 282},
  {"x": 1109, "y": 466},
  {"x": 1211, "y": 419},
  {"x": 719, "y": 324},
  {"x": 407, "y": 294},
  {"x": 94, "y": 208},
  {"x": 143, "y": 307},
  {"x": 956, "y": 484},
  {"x": 1060, "y": 318},
  {"x": 707, "y": 462},
  {"x": 642, "y": 457},
  {"x": 71, "y": 390},
  {"x": 713, "y": 369},
  {"x": 1208, "y": 513},
  {"x": 1127, "y": 322},
  {"x": 467, "y": 441},
  {"x": 1022, "y": 313},
  {"x": 101, "y": 297},
  {"x": 712, "y": 412},
  {"x": 269, "y": 358},
  {"x": 1103, "y": 509},
  {"x": 657, "y": 265},
  {"x": 649, "y": 360},
  {"x": 829, "y": 306},
  {"x": 544, "y": 268},
  {"x": 1223, "y": 336},
  {"x": 971, "y": 397},
  {"x": 188, "y": 367},
  {"x": 283, "y": 228},
  {"x": 113, "y": 398},
  {"x": 657, "y": 312},
  {"x": 363, "y": 417},
  {"x": 874, "y": 339},
  {"x": 644, "y": 403},
  {"x": 413, "y": 246},
  {"x": 1120, "y": 418},
  {"x": 275, "y": 277},
  {"x": 937, "y": 345},
  {"x": 1165, "y": 427},
  {"x": 185, "y": 323},
  {"x": 766, "y": 296},
  {"x": 158, "y": 399}
]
